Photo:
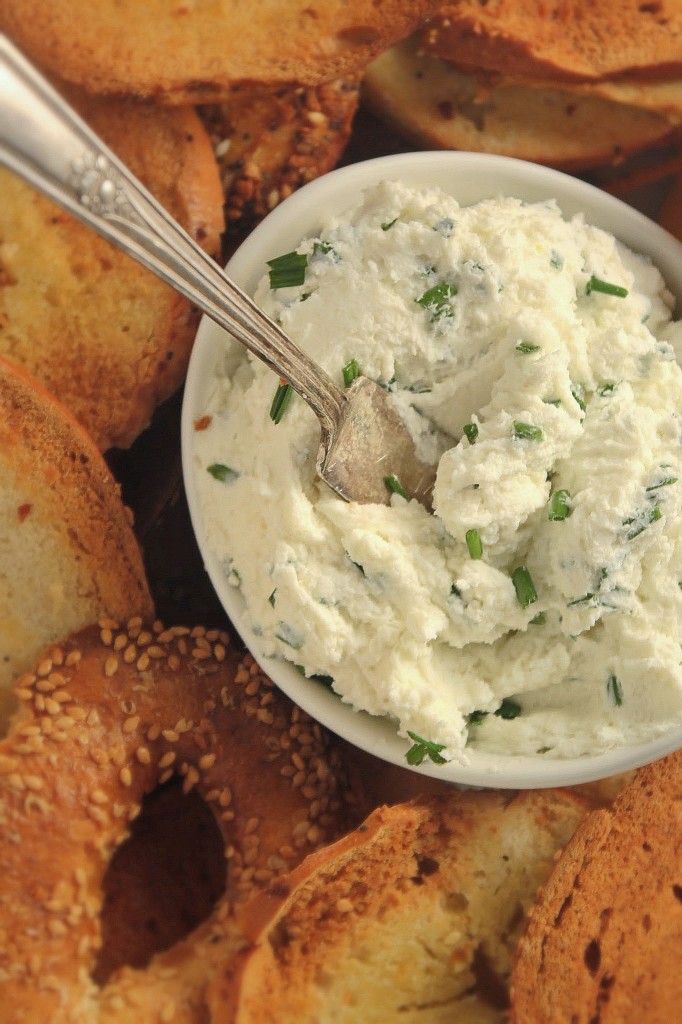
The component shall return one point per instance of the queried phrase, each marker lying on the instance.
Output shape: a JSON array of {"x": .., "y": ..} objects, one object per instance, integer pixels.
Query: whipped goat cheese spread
[{"x": 538, "y": 607}]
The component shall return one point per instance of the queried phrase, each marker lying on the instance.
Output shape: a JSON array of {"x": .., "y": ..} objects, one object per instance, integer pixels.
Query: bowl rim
[{"x": 469, "y": 177}]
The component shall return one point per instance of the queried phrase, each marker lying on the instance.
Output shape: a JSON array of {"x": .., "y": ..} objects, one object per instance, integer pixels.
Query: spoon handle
[{"x": 44, "y": 141}]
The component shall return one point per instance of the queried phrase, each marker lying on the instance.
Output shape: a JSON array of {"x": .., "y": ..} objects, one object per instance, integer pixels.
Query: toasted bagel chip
[
  {"x": 107, "y": 337},
  {"x": 435, "y": 105},
  {"x": 187, "y": 52},
  {"x": 270, "y": 143}
]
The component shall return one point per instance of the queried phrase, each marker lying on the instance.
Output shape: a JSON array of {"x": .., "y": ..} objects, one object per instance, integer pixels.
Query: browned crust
[
  {"x": 603, "y": 941},
  {"x": 268, "y": 144},
  {"x": 187, "y": 52},
  {"x": 105, "y": 335},
  {"x": 563, "y": 39},
  {"x": 106, "y": 716},
  {"x": 383, "y": 887}
]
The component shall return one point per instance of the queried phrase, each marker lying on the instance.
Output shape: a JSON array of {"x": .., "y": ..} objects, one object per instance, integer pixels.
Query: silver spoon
[{"x": 44, "y": 141}]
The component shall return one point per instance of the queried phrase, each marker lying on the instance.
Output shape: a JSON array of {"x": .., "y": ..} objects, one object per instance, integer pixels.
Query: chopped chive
[
  {"x": 474, "y": 544},
  {"x": 223, "y": 473},
  {"x": 388, "y": 224},
  {"x": 437, "y": 300},
  {"x": 585, "y": 599},
  {"x": 527, "y": 431},
  {"x": 470, "y": 431},
  {"x": 394, "y": 485},
  {"x": 476, "y": 717},
  {"x": 578, "y": 392},
  {"x": 422, "y": 748},
  {"x": 538, "y": 620},
  {"x": 556, "y": 402},
  {"x": 288, "y": 635},
  {"x": 664, "y": 483},
  {"x": 595, "y": 284},
  {"x": 350, "y": 371},
  {"x": 559, "y": 506},
  {"x": 614, "y": 690},
  {"x": 640, "y": 522},
  {"x": 280, "y": 401},
  {"x": 322, "y": 248},
  {"x": 556, "y": 260},
  {"x": 287, "y": 271},
  {"x": 526, "y": 347},
  {"x": 524, "y": 587},
  {"x": 508, "y": 709},
  {"x": 607, "y": 388},
  {"x": 271, "y": 599}
]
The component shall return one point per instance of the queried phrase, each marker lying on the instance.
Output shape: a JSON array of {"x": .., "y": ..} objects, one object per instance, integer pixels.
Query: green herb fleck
[
  {"x": 526, "y": 347},
  {"x": 350, "y": 371},
  {"x": 578, "y": 392},
  {"x": 476, "y": 717},
  {"x": 607, "y": 388},
  {"x": 422, "y": 748},
  {"x": 524, "y": 586},
  {"x": 614, "y": 690},
  {"x": 527, "y": 431},
  {"x": 538, "y": 620},
  {"x": 664, "y": 483},
  {"x": 556, "y": 260},
  {"x": 470, "y": 431},
  {"x": 559, "y": 506},
  {"x": 640, "y": 522},
  {"x": 474, "y": 544},
  {"x": 287, "y": 271},
  {"x": 280, "y": 401},
  {"x": 595, "y": 284},
  {"x": 271, "y": 599},
  {"x": 394, "y": 485},
  {"x": 389, "y": 224},
  {"x": 223, "y": 473},
  {"x": 322, "y": 248},
  {"x": 288, "y": 635},
  {"x": 437, "y": 300},
  {"x": 508, "y": 709}
]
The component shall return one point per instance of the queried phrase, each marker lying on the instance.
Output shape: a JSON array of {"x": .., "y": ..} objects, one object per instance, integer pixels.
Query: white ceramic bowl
[{"x": 470, "y": 177}]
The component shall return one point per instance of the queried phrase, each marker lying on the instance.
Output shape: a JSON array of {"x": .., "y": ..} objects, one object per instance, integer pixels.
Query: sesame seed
[
  {"x": 107, "y": 637},
  {"x": 51, "y": 706},
  {"x": 130, "y": 654},
  {"x": 120, "y": 641},
  {"x": 344, "y": 906},
  {"x": 154, "y": 732},
  {"x": 44, "y": 667},
  {"x": 142, "y": 663},
  {"x": 131, "y": 724},
  {"x": 170, "y": 735},
  {"x": 207, "y": 761},
  {"x": 98, "y": 796},
  {"x": 167, "y": 759},
  {"x": 23, "y": 694},
  {"x": 110, "y": 666},
  {"x": 126, "y": 776},
  {"x": 143, "y": 756},
  {"x": 72, "y": 658}
]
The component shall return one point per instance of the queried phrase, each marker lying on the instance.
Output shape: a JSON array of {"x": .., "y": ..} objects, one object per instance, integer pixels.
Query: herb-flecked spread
[{"x": 548, "y": 579}]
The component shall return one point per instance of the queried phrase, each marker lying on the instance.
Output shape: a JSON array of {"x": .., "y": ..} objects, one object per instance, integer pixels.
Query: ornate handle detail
[{"x": 44, "y": 141}]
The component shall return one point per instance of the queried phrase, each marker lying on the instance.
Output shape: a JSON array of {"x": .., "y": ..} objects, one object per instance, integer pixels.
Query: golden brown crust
[
  {"x": 187, "y": 52},
  {"x": 107, "y": 716},
  {"x": 68, "y": 552},
  {"x": 270, "y": 143},
  {"x": 602, "y": 943},
  {"x": 105, "y": 335},
  {"x": 567, "y": 39},
  {"x": 414, "y": 913},
  {"x": 437, "y": 106}
]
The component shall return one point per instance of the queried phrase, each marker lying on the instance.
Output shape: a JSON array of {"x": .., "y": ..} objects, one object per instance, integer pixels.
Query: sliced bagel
[
  {"x": 567, "y": 39},
  {"x": 68, "y": 554},
  {"x": 602, "y": 943},
  {"x": 106, "y": 336},
  {"x": 190, "y": 52},
  {"x": 269, "y": 143},
  {"x": 435, "y": 105},
  {"x": 412, "y": 917}
]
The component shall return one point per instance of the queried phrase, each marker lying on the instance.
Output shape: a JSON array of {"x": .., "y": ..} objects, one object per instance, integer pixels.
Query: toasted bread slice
[
  {"x": 567, "y": 39},
  {"x": 106, "y": 336},
  {"x": 189, "y": 52},
  {"x": 412, "y": 917},
  {"x": 603, "y": 941},
  {"x": 435, "y": 105},
  {"x": 269, "y": 143},
  {"x": 68, "y": 554}
]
